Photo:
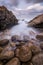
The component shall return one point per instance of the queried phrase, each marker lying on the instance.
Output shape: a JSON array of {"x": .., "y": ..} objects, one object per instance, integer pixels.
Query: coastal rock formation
[
  {"x": 7, "y": 19},
  {"x": 37, "y": 22}
]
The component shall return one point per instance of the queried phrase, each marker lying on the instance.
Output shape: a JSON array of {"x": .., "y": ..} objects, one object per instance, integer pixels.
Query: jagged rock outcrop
[
  {"x": 7, "y": 19},
  {"x": 37, "y": 22}
]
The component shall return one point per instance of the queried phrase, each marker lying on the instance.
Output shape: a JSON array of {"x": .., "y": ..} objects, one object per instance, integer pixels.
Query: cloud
[
  {"x": 34, "y": 1},
  {"x": 36, "y": 6},
  {"x": 9, "y": 2}
]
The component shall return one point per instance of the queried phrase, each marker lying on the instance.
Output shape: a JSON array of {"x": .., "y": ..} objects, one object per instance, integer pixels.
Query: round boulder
[
  {"x": 14, "y": 61},
  {"x": 38, "y": 59},
  {"x": 25, "y": 53}
]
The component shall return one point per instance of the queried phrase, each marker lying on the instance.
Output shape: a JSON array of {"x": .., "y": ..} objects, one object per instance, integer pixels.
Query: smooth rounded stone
[
  {"x": 34, "y": 48},
  {"x": 15, "y": 38},
  {"x": 7, "y": 53},
  {"x": 28, "y": 63},
  {"x": 38, "y": 59},
  {"x": 25, "y": 53},
  {"x": 4, "y": 42},
  {"x": 20, "y": 44},
  {"x": 26, "y": 38},
  {"x": 12, "y": 44},
  {"x": 40, "y": 36},
  {"x": 41, "y": 45},
  {"x": 14, "y": 61},
  {"x": 1, "y": 49}
]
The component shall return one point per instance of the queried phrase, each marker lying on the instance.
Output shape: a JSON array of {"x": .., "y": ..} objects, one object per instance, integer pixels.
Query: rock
[
  {"x": 4, "y": 42},
  {"x": 38, "y": 59},
  {"x": 15, "y": 38},
  {"x": 14, "y": 61},
  {"x": 7, "y": 53},
  {"x": 34, "y": 48},
  {"x": 12, "y": 44},
  {"x": 1, "y": 49},
  {"x": 37, "y": 22},
  {"x": 41, "y": 45},
  {"x": 7, "y": 19},
  {"x": 25, "y": 53},
  {"x": 26, "y": 38},
  {"x": 40, "y": 36},
  {"x": 28, "y": 63}
]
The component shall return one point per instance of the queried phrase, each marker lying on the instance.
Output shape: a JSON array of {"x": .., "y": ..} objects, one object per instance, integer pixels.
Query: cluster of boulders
[
  {"x": 37, "y": 22},
  {"x": 7, "y": 19},
  {"x": 20, "y": 52}
]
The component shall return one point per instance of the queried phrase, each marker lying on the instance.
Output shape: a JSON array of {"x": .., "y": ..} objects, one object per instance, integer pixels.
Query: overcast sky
[{"x": 20, "y": 6}]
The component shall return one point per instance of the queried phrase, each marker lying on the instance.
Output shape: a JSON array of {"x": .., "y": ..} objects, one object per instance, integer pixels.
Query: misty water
[{"x": 21, "y": 29}]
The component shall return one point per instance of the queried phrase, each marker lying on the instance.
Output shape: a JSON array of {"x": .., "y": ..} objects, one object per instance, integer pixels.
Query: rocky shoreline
[
  {"x": 21, "y": 52},
  {"x": 17, "y": 51}
]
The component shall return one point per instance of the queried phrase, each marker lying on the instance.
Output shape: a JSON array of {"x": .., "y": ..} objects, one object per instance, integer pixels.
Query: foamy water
[{"x": 21, "y": 29}]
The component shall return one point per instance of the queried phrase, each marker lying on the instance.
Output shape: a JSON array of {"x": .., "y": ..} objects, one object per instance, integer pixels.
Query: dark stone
[
  {"x": 7, "y": 19},
  {"x": 40, "y": 36},
  {"x": 4, "y": 42}
]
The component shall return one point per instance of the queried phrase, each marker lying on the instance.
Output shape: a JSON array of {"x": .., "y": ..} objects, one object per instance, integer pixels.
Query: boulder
[
  {"x": 34, "y": 48},
  {"x": 37, "y": 22},
  {"x": 14, "y": 61},
  {"x": 38, "y": 59},
  {"x": 24, "y": 53},
  {"x": 40, "y": 36},
  {"x": 6, "y": 53},
  {"x": 15, "y": 38},
  {"x": 4, "y": 42},
  {"x": 7, "y": 19}
]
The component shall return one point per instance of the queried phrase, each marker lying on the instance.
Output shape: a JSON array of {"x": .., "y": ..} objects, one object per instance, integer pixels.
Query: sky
[{"x": 24, "y": 8}]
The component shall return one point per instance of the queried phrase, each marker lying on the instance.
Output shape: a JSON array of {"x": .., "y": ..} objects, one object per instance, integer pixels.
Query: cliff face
[
  {"x": 7, "y": 19},
  {"x": 37, "y": 22}
]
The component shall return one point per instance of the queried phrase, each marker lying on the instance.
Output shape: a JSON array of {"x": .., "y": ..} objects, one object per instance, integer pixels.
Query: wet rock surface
[
  {"x": 25, "y": 53},
  {"x": 21, "y": 52},
  {"x": 40, "y": 36},
  {"x": 7, "y": 19},
  {"x": 37, "y": 22},
  {"x": 14, "y": 61},
  {"x": 4, "y": 42},
  {"x": 38, "y": 59}
]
